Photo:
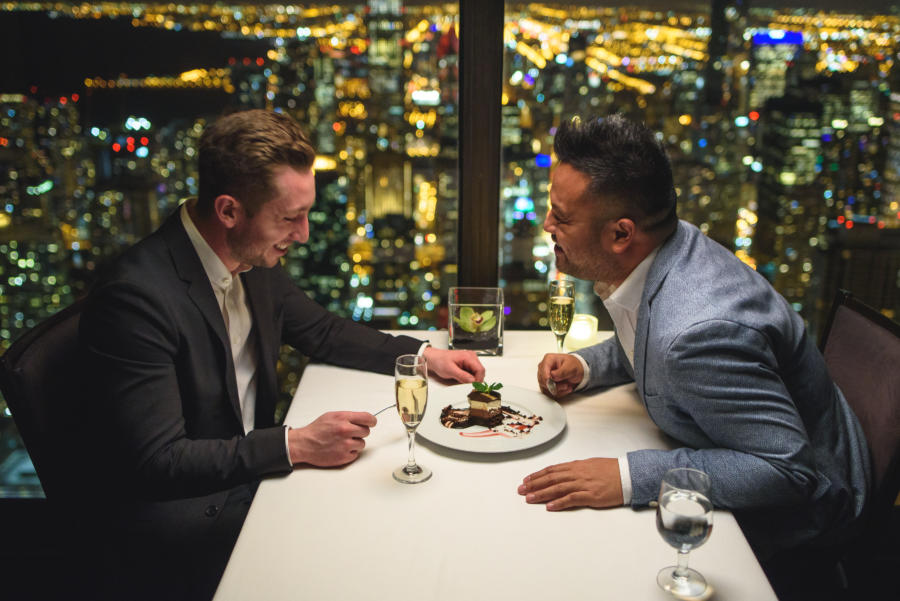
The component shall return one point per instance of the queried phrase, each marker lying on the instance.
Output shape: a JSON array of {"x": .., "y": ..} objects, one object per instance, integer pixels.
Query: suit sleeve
[
  {"x": 608, "y": 364},
  {"x": 324, "y": 336},
  {"x": 723, "y": 377},
  {"x": 137, "y": 355}
]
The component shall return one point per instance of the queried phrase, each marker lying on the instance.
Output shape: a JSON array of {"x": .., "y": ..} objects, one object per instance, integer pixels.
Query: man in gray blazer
[
  {"x": 182, "y": 339},
  {"x": 721, "y": 362}
]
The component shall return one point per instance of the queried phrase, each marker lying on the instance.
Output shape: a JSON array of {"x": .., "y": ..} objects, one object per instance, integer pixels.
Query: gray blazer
[{"x": 723, "y": 365}]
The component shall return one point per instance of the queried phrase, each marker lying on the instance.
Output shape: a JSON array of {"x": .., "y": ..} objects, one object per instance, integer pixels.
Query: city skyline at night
[{"x": 783, "y": 126}]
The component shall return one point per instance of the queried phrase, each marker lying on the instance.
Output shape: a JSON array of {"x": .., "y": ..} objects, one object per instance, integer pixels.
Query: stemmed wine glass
[
  {"x": 684, "y": 519},
  {"x": 562, "y": 309},
  {"x": 411, "y": 388}
]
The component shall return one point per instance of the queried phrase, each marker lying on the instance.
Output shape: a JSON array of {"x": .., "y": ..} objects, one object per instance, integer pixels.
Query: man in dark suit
[
  {"x": 182, "y": 338},
  {"x": 722, "y": 363}
]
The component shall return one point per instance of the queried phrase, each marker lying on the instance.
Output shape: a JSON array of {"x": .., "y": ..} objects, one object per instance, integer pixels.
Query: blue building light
[
  {"x": 773, "y": 37},
  {"x": 701, "y": 142},
  {"x": 543, "y": 160},
  {"x": 524, "y": 204}
]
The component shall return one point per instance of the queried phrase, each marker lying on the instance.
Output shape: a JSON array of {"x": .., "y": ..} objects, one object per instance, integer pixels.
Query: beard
[
  {"x": 243, "y": 250},
  {"x": 597, "y": 265}
]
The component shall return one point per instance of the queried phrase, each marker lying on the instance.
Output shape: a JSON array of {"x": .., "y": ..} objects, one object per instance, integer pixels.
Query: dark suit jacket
[{"x": 163, "y": 378}]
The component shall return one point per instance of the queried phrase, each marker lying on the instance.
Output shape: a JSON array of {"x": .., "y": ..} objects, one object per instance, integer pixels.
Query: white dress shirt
[
  {"x": 623, "y": 305},
  {"x": 232, "y": 300}
]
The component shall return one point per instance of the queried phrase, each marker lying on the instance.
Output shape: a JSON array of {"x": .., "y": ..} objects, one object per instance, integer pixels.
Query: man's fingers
[
  {"x": 361, "y": 418},
  {"x": 575, "y": 499},
  {"x": 565, "y": 370},
  {"x": 459, "y": 374},
  {"x": 550, "y": 493}
]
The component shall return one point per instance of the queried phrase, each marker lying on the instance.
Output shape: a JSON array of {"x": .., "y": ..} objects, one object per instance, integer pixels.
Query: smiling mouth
[{"x": 282, "y": 247}]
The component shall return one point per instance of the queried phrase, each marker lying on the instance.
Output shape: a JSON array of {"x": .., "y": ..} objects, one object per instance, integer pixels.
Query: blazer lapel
[
  {"x": 189, "y": 268},
  {"x": 668, "y": 253},
  {"x": 258, "y": 295}
]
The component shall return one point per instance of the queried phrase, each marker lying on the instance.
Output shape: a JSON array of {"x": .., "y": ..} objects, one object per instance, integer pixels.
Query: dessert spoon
[{"x": 383, "y": 410}]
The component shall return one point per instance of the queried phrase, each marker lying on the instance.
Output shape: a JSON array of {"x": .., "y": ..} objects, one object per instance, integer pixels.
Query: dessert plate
[{"x": 479, "y": 439}]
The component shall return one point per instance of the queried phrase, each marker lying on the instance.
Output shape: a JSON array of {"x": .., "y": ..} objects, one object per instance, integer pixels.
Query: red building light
[
  {"x": 116, "y": 147},
  {"x": 754, "y": 115}
]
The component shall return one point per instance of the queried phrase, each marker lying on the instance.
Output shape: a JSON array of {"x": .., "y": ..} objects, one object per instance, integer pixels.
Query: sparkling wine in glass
[
  {"x": 411, "y": 390},
  {"x": 562, "y": 309},
  {"x": 684, "y": 519}
]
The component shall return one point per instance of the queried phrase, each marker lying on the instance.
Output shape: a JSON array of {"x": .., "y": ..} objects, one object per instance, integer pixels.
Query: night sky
[{"x": 56, "y": 55}]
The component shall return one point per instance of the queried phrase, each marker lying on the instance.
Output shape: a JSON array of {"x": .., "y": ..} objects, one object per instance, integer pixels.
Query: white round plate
[{"x": 525, "y": 401}]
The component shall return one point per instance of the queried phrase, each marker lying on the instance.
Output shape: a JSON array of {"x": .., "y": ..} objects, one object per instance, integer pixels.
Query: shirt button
[{"x": 211, "y": 511}]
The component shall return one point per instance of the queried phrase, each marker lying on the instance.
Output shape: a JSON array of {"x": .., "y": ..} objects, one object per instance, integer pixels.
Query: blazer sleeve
[
  {"x": 722, "y": 379},
  {"x": 609, "y": 366},
  {"x": 146, "y": 374},
  {"x": 326, "y": 337}
]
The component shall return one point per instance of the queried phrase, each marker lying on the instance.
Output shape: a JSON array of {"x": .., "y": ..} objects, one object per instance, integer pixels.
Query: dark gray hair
[{"x": 627, "y": 166}]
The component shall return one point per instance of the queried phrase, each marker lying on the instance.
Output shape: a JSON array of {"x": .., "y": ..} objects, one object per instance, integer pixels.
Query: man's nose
[
  {"x": 301, "y": 233},
  {"x": 548, "y": 225}
]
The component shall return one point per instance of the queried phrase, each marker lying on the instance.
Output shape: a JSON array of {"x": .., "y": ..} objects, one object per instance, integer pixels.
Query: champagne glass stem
[
  {"x": 560, "y": 338},
  {"x": 411, "y": 466},
  {"x": 681, "y": 570}
]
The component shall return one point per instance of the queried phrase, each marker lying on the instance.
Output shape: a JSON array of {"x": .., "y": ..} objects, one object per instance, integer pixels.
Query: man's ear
[
  {"x": 623, "y": 234},
  {"x": 228, "y": 210}
]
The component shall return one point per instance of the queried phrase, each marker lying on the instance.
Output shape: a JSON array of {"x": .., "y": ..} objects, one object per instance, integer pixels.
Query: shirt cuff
[
  {"x": 422, "y": 348},
  {"x": 625, "y": 478},
  {"x": 587, "y": 371},
  {"x": 287, "y": 446}
]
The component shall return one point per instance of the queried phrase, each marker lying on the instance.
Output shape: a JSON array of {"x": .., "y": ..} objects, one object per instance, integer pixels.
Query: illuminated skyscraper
[
  {"x": 771, "y": 52},
  {"x": 790, "y": 197}
]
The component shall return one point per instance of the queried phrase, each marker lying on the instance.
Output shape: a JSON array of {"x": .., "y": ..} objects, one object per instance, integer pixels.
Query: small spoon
[{"x": 383, "y": 410}]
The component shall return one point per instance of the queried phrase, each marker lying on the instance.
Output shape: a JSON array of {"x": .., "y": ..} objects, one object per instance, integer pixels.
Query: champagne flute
[
  {"x": 411, "y": 389},
  {"x": 684, "y": 519},
  {"x": 562, "y": 309}
]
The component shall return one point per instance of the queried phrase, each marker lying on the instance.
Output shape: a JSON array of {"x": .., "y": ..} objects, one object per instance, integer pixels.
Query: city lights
[{"x": 783, "y": 129}]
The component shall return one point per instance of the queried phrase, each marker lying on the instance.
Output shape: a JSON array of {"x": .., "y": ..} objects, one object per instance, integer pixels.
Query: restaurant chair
[
  {"x": 862, "y": 351},
  {"x": 41, "y": 380}
]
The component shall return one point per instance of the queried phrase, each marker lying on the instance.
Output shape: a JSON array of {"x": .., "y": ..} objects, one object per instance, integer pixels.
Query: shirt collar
[
  {"x": 219, "y": 275},
  {"x": 628, "y": 294}
]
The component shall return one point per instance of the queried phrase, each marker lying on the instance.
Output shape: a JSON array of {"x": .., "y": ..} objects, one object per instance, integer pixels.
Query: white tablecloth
[{"x": 353, "y": 533}]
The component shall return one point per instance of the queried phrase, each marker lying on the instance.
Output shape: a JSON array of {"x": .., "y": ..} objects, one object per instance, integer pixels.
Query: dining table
[{"x": 355, "y": 533}]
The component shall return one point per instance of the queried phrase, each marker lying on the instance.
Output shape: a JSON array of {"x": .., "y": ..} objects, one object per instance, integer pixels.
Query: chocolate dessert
[{"x": 484, "y": 409}]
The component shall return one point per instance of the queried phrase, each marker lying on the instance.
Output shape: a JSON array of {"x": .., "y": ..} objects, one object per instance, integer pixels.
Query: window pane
[
  {"x": 98, "y": 143},
  {"x": 782, "y": 126}
]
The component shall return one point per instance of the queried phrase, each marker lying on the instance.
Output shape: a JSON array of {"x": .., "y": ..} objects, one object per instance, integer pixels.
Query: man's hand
[
  {"x": 585, "y": 483},
  {"x": 462, "y": 366},
  {"x": 565, "y": 370},
  {"x": 334, "y": 438}
]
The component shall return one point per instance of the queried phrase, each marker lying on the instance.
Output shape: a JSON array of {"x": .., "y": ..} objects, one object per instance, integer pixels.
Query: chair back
[
  {"x": 41, "y": 377},
  {"x": 862, "y": 351}
]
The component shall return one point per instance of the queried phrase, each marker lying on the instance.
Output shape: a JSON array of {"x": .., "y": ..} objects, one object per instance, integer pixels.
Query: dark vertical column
[{"x": 481, "y": 73}]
